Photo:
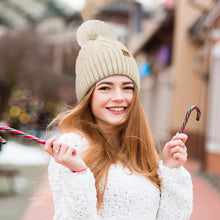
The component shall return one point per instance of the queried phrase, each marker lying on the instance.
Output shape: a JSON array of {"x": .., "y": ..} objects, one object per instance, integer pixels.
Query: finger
[
  {"x": 181, "y": 158},
  {"x": 174, "y": 143},
  {"x": 48, "y": 147},
  {"x": 178, "y": 149},
  {"x": 72, "y": 151},
  {"x": 60, "y": 156},
  {"x": 66, "y": 157},
  {"x": 179, "y": 143},
  {"x": 56, "y": 147},
  {"x": 180, "y": 136},
  {"x": 63, "y": 149}
]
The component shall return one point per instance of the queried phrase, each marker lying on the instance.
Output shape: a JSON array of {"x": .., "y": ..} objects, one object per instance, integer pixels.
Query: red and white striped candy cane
[{"x": 12, "y": 130}]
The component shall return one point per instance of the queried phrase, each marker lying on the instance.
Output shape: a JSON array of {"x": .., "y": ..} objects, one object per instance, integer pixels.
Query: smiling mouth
[{"x": 117, "y": 109}]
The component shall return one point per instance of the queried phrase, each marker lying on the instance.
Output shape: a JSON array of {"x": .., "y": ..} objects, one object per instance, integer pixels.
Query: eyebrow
[{"x": 110, "y": 83}]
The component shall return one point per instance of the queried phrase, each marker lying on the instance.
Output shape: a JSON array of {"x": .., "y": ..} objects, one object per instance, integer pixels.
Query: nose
[{"x": 117, "y": 95}]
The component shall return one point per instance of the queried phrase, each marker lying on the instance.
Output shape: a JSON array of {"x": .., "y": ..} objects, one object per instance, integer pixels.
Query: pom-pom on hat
[{"x": 101, "y": 56}]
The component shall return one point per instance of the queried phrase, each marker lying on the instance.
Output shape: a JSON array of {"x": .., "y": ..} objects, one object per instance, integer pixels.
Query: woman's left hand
[{"x": 174, "y": 153}]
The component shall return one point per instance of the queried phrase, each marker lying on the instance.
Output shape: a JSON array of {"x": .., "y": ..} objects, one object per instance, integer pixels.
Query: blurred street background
[{"x": 176, "y": 44}]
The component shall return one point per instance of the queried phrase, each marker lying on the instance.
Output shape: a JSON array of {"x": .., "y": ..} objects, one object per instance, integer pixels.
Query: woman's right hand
[{"x": 64, "y": 154}]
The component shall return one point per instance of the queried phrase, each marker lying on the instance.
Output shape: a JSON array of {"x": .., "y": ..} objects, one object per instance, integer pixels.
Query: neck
[{"x": 110, "y": 133}]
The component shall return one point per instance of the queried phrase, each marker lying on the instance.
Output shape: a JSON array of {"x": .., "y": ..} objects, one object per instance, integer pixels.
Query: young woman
[{"x": 105, "y": 165}]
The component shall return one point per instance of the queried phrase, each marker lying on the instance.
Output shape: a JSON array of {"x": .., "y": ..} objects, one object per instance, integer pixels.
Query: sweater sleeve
[
  {"x": 176, "y": 193},
  {"x": 74, "y": 194}
]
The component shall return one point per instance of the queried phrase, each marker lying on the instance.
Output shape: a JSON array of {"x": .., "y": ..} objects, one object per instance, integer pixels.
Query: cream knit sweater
[{"x": 126, "y": 197}]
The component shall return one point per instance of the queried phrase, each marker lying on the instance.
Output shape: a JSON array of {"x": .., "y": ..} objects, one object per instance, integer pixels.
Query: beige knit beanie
[{"x": 101, "y": 56}]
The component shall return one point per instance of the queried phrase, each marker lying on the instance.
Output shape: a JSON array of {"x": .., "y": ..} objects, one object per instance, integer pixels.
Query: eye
[
  {"x": 129, "y": 88},
  {"x": 104, "y": 88}
]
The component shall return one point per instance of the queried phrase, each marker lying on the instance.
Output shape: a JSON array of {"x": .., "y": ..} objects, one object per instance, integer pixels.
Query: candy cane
[
  {"x": 187, "y": 116},
  {"x": 12, "y": 130}
]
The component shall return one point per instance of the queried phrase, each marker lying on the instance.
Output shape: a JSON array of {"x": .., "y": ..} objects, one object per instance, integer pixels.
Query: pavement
[
  {"x": 206, "y": 204},
  {"x": 206, "y": 197},
  {"x": 40, "y": 207}
]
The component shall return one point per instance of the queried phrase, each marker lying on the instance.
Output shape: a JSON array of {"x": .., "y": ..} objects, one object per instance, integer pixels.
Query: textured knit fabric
[
  {"x": 101, "y": 56},
  {"x": 127, "y": 196}
]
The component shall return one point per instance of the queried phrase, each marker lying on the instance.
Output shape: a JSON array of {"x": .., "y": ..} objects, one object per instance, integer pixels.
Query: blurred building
[
  {"x": 181, "y": 44},
  {"x": 152, "y": 47},
  {"x": 51, "y": 25},
  {"x": 205, "y": 35},
  {"x": 195, "y": 62}
]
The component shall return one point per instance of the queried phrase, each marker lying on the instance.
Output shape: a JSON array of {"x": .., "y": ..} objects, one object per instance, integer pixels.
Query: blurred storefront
[
  {"x": 196, "y": 63},
  {"x": 38, "y": 38},
  {"x": 206, "y": 33},
  {"x": 182, "y": 49}
]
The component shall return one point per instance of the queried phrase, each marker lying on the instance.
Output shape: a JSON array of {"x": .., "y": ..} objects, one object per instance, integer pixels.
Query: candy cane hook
[
  {"x": 28, "y": 136},
  {"x": 194, "y": 107}
]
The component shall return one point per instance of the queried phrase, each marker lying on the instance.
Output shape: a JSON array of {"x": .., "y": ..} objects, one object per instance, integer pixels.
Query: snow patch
[{"x": 18, "y": 154}]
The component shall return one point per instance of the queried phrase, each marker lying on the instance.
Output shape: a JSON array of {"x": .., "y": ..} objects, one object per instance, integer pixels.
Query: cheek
[
  {"x": 96, "y": 103},
  {"x": 130, "y": 98}
]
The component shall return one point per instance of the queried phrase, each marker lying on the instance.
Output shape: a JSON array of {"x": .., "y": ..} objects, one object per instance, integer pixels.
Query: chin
[
  {"x": 110, "y": 121},
  {"x": 118, "y": 122}
]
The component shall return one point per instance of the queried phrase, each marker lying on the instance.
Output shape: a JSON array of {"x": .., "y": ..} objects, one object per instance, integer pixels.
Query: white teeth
[{"x": 117, "y": 109}]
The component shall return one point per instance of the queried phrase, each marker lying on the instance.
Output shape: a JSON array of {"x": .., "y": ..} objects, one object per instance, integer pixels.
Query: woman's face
[{"x": 111, "y": 99}]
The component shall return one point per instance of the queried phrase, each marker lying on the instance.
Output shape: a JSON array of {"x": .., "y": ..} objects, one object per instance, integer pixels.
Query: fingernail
[{"x": 74, "y": 153}]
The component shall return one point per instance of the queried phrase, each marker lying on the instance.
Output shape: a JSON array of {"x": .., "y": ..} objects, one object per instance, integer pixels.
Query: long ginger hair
[{"x": 136, "y": 149}]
